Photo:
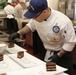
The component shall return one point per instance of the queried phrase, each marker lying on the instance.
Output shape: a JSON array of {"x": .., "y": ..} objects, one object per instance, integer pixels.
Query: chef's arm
[
  {"x": 24, "y": 30},
  {"x": 56, "y": 57},
  {"x": 61, "y": 53},
  {"x": 19, "y": 34},
  {"x": 67, "y": 47}
]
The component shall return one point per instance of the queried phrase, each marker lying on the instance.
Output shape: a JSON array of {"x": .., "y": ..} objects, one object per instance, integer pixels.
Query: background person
[
  {"x": 54, "y": 29},
  {"x": 19, "y": 12},
  {"x": 9, "y": 13}
]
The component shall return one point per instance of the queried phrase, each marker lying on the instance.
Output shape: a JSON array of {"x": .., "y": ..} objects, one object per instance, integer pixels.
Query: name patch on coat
[{"x": 56, "y": 29}]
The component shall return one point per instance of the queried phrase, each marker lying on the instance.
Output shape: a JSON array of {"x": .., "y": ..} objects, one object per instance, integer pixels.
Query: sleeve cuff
[{"x": 68, "y": 46}]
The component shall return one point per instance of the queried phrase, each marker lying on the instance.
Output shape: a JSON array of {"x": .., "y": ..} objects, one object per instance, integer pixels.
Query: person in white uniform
[
  {"x": 9, "y": 13},
  {"x": 54, "y": 29},
  {"x": 19, "y": 12}
]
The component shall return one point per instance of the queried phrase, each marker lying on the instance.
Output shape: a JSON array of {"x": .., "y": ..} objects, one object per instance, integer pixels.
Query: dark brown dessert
[
  {"x": 1, "y": 57},
  {"x": 50, "y": 66},
  {"x": 20, "y": 54},
  {"x": 11, "y": 44}
]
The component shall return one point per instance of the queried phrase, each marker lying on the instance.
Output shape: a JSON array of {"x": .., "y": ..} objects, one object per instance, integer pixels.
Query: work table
[{"x": 31, "y": 65}]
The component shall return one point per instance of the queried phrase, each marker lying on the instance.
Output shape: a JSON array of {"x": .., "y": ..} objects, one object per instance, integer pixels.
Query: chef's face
[{"x": 40, "y": 16}]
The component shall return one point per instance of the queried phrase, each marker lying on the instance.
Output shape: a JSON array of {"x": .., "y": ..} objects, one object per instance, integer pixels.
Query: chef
[
  {"x": 55, "y": 30},
  {"x": 9, "y": 14},
  {"x": 19, "y": 12}
]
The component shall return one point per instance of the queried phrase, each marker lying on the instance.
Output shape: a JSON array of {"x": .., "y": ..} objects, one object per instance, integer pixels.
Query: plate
[
  {"x": 24, "y": 62},
  {"x": 15, "y": 49},
  {"x": 12, "y": 50},
  {"x": 8, "y": 65},
  {"x": 27, "y": 61}
]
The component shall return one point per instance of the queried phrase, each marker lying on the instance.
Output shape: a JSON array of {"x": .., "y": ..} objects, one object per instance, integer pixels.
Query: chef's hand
[
  {"x": 13, "y": 36},
  {"x": 55, "y": 58}
]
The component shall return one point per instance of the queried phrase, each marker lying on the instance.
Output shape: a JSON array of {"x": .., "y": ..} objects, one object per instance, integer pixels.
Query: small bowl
[{"x": 2, "y": 48}]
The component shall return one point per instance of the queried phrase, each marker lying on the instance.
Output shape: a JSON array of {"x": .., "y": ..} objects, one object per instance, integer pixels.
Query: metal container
[{"x": 67, "y": 7}]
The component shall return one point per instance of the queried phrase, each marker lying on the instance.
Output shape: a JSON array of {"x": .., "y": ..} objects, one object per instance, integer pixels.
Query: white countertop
[{"x": 28, "y": 65}]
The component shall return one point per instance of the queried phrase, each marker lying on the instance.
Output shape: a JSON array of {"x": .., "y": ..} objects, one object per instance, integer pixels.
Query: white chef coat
[
  {"x": 19, "y": 14},
  {"x": 56, "y": 33},
  {"x": 18, "y": 11},
  {"x": 9, "y": 11}
]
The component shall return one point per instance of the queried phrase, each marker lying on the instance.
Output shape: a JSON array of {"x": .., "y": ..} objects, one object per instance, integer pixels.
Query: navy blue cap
[{"x": 35, "y": 7}]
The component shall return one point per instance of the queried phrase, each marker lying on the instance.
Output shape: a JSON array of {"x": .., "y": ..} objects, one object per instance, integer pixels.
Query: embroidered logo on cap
[{"x": 30, "y": 7}]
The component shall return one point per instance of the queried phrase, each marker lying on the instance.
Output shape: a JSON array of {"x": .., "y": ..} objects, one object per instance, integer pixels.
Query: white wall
[{"x": 53, "y": 4}]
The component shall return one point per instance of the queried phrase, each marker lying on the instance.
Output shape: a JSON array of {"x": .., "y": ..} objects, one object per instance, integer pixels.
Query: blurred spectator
[
  {"x": 19, "y": 12},
  {"x": 11, "y": 22}
]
